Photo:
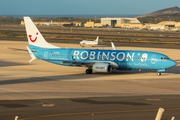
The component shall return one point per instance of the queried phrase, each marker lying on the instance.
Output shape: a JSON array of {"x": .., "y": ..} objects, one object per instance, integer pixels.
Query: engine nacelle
[{"x": 102, "y": 67}]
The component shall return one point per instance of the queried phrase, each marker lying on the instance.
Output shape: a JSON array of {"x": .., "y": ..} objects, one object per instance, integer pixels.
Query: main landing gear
[
  {"x": 159, "y": 73},
  {"x": 89, "y": 71}
]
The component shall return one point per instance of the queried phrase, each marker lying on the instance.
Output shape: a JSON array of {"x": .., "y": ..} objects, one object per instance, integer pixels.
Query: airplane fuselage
[
  {"x": 96, "y": 60},
  {"x": 120, "y": 59}
]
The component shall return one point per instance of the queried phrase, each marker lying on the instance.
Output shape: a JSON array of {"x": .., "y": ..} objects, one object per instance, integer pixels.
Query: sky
[{"x": 83, "y": 7}]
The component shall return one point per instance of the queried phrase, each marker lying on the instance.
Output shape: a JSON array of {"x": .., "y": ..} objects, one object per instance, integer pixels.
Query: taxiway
[{"x": 44, "y": 91}]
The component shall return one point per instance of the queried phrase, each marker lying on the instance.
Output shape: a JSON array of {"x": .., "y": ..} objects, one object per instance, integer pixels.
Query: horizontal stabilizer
[{"x": 18, "y": 49}]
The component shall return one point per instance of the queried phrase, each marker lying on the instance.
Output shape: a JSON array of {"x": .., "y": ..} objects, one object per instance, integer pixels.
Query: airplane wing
[
  {"x": 83, "y": 63},
  {"x": 79, "y": 63}
]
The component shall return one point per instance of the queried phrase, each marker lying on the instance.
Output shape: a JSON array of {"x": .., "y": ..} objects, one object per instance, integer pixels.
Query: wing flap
[
  {"x": 83, "y": 63},
  {"x": 78, "y": 63}
]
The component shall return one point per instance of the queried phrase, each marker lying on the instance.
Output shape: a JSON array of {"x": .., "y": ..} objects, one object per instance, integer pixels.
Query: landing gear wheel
[
  {"x": 89, "y": 71},
  {"x": 159, "y": 74}
]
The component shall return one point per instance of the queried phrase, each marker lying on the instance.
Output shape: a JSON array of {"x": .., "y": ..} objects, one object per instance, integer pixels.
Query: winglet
[
  {"x": 33, "y": 57},
  {"x": 113, "y": 47},
  {"x": 97, "y": 39}
]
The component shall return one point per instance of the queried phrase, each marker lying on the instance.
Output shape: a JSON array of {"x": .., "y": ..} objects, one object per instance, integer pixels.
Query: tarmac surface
[{"x": 44, "y": 91}]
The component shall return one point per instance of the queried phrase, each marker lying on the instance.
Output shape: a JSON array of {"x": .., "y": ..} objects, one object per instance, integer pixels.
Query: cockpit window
[{"x": 165, "y": 58}]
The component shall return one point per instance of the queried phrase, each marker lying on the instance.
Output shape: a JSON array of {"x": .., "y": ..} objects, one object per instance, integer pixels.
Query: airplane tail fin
[
  {"x": 97, "y": 39},
  {"x": 35, "y": 38}
]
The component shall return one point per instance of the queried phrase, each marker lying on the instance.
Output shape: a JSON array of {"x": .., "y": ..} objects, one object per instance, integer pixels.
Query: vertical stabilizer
[{"x": 34, "y": 36}]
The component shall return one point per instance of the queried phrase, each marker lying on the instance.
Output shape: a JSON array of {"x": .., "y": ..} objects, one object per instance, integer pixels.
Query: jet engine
[{"x": 102, "y": 67}]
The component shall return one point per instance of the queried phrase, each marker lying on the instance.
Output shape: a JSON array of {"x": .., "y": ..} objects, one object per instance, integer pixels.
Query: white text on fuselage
[{"x": 100, "y": 55}]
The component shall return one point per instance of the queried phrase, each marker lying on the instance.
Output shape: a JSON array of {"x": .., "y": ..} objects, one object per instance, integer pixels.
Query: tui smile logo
[{"x": 33, "y": 40}]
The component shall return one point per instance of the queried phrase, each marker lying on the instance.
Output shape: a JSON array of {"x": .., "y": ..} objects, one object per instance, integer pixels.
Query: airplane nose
[{"x": 172, "y": 63}]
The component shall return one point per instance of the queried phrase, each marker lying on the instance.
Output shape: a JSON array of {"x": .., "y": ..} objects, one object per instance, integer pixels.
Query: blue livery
[{"x": 95, "y": 60}]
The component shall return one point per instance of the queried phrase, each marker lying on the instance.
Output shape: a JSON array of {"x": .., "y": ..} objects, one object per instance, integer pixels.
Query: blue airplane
[{"x": 95, "y": 60}]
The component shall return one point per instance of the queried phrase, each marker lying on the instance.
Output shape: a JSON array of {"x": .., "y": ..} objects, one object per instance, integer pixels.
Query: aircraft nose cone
[{"x": 172, "y": 63}]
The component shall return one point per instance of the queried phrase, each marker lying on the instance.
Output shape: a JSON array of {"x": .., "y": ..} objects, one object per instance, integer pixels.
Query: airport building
[
  {"x": 92, "y": 24},
  {"x": 164, "y": 25},
  {"x": 115, "y": 22},
  {"x": 119, "y": 22},
  {"x": 170, "y": 24},
  {"x": 123, "y": 23},
  {"x": 51, "y": 23},
  {"x": 89, "y": 24}
]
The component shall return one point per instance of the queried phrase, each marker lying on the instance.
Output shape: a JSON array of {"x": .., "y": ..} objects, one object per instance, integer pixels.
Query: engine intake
[{"x": 102, "y": 67}]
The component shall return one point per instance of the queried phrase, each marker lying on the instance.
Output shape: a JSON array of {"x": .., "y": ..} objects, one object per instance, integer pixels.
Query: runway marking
[{"x": 94, "y": 113}]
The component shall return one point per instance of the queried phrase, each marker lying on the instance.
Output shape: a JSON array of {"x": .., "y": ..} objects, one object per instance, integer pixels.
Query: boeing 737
[
  {"x": 89, "y": 42},
  {"x": 95, "y": 60}
]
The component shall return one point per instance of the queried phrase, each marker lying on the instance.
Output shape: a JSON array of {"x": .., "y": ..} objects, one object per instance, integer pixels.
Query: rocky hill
[{"x": 167, "y": 11}]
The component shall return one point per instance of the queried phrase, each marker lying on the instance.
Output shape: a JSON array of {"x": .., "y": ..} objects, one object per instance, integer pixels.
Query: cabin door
[
  {"x": 46, "y": 55},
  {"x": 153, "y": 59}
]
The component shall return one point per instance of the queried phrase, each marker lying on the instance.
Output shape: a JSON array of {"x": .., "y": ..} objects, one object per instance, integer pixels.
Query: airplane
[
  {"x": 88, "y": 42},
  {"x": 95, "y": 60},
  {"x": 48, "y": 23}
]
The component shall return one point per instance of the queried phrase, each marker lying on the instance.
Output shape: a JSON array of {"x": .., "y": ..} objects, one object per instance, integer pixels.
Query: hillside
[
  {"x": 167, "y": 11},
  {"x": 168, "y": 14}
]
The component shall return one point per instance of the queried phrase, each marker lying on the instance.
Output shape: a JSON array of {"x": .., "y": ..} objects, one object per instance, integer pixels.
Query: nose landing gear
[{"x": 160, "y": 71}]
